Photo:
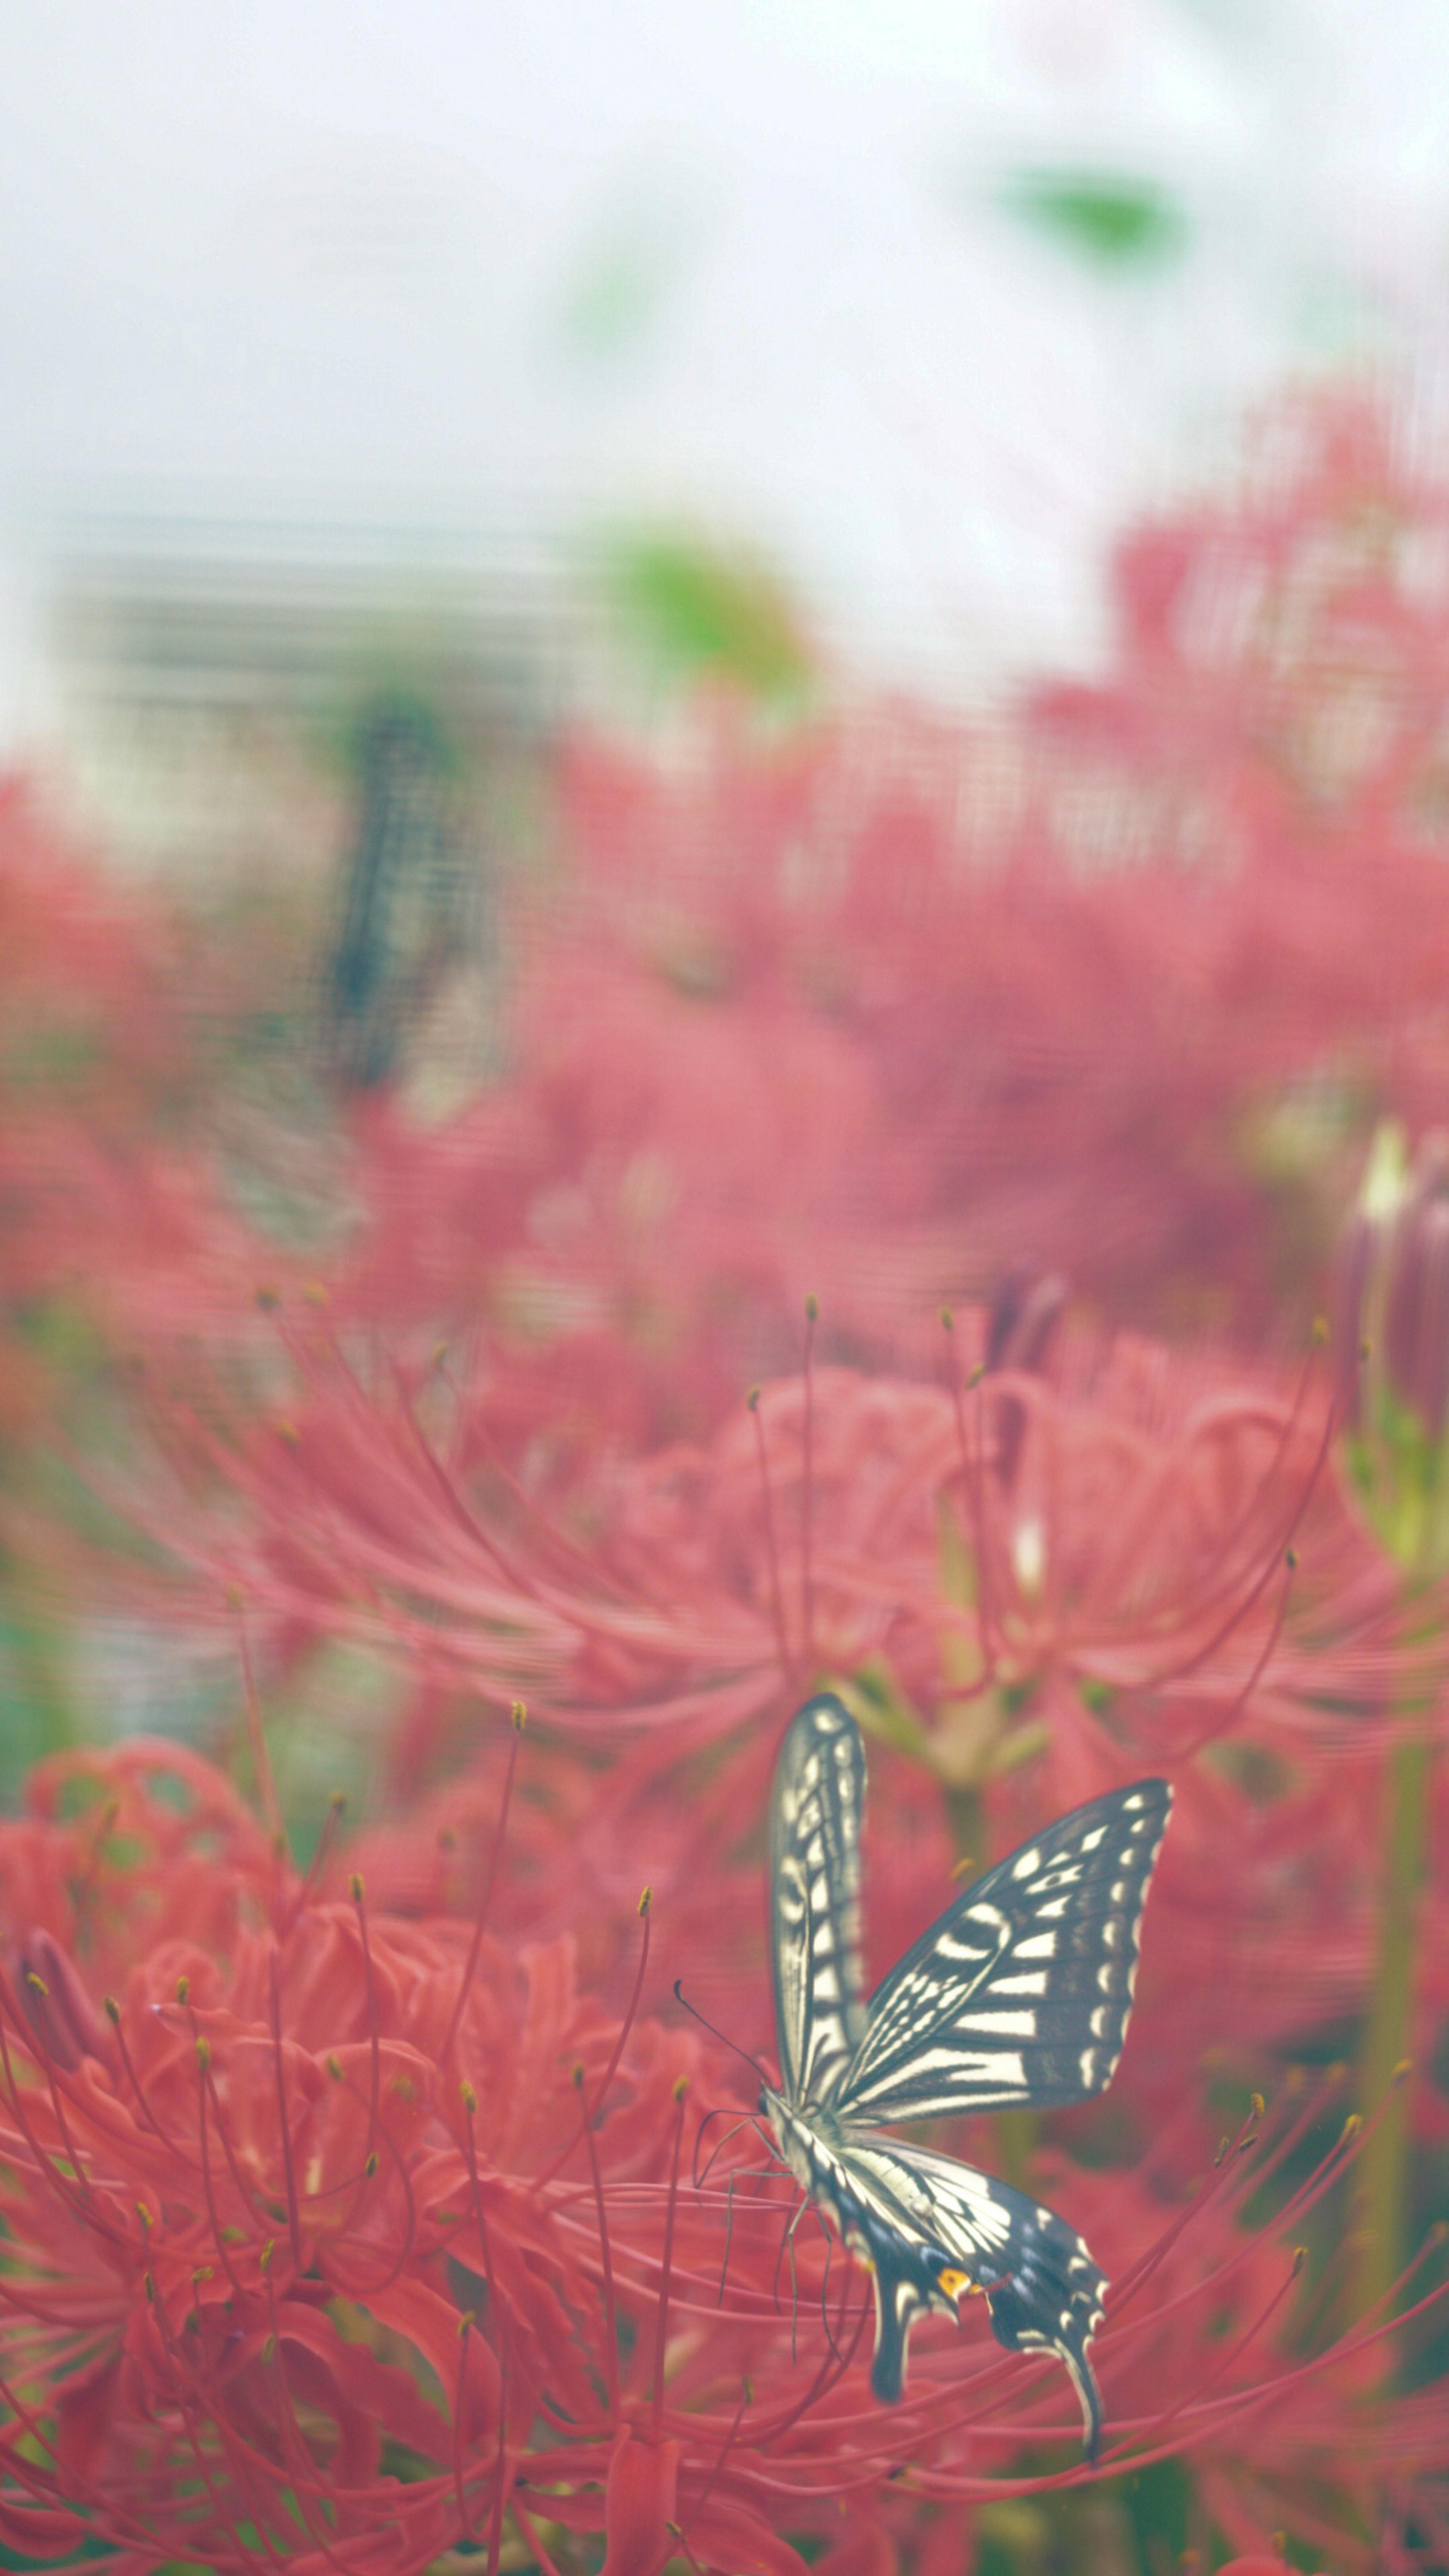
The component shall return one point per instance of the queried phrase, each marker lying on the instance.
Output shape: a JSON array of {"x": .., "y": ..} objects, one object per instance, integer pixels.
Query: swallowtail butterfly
[{"x": 1017, "y": 1997}]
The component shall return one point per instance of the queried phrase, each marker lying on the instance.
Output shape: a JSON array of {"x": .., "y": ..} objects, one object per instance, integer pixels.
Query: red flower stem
[
  {"x": 661, "y": 2331},
  {"x": 486, "y": 1899}
]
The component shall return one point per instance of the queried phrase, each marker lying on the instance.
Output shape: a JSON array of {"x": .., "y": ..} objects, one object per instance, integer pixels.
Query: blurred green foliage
[
  {"x": 695, "y": 611},
  {"x": 1114, "y": 222}
]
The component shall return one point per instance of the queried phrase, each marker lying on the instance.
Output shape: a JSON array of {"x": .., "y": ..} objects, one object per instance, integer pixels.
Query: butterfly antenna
[{"x": 681, "y": 1997}]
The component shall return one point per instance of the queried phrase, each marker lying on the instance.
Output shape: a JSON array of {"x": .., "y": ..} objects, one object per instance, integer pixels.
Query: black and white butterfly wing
[
  {"x": 1020, "y": 1993},
  {"x": 934, "y": 2229},
  {"x": 815, "y": 1899}
]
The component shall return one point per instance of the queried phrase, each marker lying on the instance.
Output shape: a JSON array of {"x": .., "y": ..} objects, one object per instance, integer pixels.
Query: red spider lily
[
  {"x": 336, "y": 2241},
  {"x": 1034, "y": 1590}
]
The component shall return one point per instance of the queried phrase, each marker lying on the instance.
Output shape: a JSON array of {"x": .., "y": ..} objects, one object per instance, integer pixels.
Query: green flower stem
[{"x": 1384, "y": 2171}]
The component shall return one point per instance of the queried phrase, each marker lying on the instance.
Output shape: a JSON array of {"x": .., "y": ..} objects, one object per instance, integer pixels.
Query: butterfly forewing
[
  {"x": 815, "y": 1899},
  {"x": 1021, "y": 1991}
]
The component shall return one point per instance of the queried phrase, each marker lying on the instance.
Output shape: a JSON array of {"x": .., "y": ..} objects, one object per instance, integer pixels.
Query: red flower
[{"x": 351, "y": 2238}]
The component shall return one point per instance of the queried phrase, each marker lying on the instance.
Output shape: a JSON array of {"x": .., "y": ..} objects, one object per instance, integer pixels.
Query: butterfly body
[{"x": 1018, "y": 1995}]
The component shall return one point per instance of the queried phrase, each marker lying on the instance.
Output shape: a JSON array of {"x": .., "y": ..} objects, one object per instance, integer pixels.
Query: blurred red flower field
[{"x": 369, "y": 2200}]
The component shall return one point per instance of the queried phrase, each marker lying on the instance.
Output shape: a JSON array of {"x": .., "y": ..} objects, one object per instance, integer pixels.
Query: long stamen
[
  {"x": 246, "y": 2556},
  {"x": 611, "y": 2332},
  {"x": 321, "y": 1856},
  {"x": 74, "y": 2201},
  {"x": 85, "y": 1885},
  {"x": 203, "y": 2077},
  {"x": 1229, "y": 2359},
  {"x": 592, "y": 2109},
  {"x": 113, "y": 2015},
  {"x": 41, "y": 1991},
  {"x": 358, "y": 1894},
  {"x": 1221, "y": 1726},
  {"x": 662, "y": 2328},
  {"x": 807, "y": 1499},
  {"x": 708, "y": 2488},
  {"x": 373, "y": 2289},
  {"x": 466, "y": 2323},
  {"x": 520, "y": 1720},
  {"x": 772, "y": 1553},
  {"x": 972, "y": 1482},
  {"x": 495, "y": 2525},
  {"x": 1281, "y": 1550},
  {"x": 293, "y": 2445},
  {"x": 530, "y": 2534},
  {"x": 294, "y": 2224},
  {"x": 470, "y": 2151}
]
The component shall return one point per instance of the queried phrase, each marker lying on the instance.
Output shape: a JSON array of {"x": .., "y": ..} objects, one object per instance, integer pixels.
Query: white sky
[{"x": 348, "y": 266}]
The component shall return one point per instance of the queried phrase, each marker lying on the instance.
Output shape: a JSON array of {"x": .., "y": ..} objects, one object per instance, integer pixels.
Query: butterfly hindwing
[
  {"x": 815, "y": 1898},
  {"x": 1020, "y": 1992},
  {"x": 929, "y": 2220}
]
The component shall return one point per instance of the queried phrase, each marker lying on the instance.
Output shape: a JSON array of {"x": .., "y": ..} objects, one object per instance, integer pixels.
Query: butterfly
[{"x": 1018, "y": 1996}]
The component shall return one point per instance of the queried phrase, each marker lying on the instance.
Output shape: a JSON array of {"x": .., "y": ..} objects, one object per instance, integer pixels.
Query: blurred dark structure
[{"x": 410, "y": 904}]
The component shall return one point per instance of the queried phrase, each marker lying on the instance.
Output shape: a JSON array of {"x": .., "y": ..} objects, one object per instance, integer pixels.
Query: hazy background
[{"x": 915, "y": 305}]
